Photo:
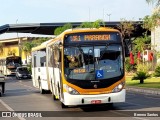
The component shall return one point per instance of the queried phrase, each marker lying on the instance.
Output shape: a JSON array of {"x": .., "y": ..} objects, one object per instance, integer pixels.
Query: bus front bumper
[{"x": 94, "y": 99}]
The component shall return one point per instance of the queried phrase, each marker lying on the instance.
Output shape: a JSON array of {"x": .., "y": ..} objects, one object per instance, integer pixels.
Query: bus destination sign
[
  {"x": 83, "y": 37},
  {"x": 90, "y": 37}
]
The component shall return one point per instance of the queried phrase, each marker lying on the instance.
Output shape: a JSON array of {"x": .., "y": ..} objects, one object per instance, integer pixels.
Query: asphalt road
[{"x": 21, "y": 96}]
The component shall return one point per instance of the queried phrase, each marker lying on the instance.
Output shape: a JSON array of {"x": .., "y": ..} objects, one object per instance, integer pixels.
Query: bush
[
  {"x": 143, "y": 67},
  {"x": 141, "y": 75},
  {"x": 157, "y": 71},
  {"x": 128, "y": 66}
]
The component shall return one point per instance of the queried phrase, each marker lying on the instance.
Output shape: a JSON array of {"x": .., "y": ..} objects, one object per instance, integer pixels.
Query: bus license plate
[{"x": 95, "y": 101}]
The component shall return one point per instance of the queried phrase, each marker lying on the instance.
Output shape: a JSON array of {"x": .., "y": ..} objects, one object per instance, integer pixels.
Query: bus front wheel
[{"x": 63, "y": 105}]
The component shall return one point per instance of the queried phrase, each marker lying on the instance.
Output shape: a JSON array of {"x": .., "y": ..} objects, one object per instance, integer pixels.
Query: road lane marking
[
  {"x": 21, "y": 83},
  {"x": 10, "y": 109}
]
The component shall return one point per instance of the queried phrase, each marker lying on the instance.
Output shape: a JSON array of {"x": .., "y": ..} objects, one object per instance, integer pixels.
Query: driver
[{"x": 73, "y": 62}]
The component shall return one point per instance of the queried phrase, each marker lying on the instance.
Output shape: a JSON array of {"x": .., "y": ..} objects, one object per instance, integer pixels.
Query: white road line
[{"x": 10, "y": 109}]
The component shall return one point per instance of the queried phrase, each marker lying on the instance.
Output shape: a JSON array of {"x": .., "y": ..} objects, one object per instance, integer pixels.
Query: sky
[{"x": 54, "y": 11}]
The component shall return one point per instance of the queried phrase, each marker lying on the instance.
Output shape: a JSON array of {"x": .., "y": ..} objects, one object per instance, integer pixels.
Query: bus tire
[
  {"x": 53, "y": 95},
  {"x": 110, "y": 105},
  {"x": 63, "y": 105},
  {"x": 42, "y": 91}
]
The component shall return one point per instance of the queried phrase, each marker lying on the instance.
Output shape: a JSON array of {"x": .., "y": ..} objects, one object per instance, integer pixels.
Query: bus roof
[
  {"x": 74, "y": 30},
  {"x": 90, "y": 30}
]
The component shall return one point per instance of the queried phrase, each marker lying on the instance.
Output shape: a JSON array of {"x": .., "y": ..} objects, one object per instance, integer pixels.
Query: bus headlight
[
  {"x": 118, "y": 87},
  {"x": 70, "y": 90}
]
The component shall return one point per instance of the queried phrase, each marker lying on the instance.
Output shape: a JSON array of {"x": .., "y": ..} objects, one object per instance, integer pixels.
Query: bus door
[{"x": 57, "y": 71}]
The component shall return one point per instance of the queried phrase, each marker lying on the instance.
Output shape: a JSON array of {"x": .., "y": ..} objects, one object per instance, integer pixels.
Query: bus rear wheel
[
  {"x": 53, "y": 95},
  {"x": 52, "y": 92},
  {"x": 42, "y": 91}
]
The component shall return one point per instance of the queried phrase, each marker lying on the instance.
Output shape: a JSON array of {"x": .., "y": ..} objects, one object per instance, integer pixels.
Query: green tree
[
  {"x": 156, "y": 2},
  {"x": 39, "y": 41},
  {"x": 150, "y": 22},
  {"x": 86, "y": 25},
  {"x": 1, "y": 48},
  {"x": 59, "y": 30},
  {"x": 96, "y": 24},
  {"x": 126, "y": 28},
  {"x": 142, "y": 43},
  {"x": 26, "y": 47}
]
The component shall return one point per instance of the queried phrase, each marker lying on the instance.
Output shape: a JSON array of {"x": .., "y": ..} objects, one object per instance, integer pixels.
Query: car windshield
[
  {"x": 23, "y": 70},
  {"x": 93, "y": 62}
]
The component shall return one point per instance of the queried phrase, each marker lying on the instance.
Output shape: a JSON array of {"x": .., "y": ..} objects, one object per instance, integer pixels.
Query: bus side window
[
  {"x": 43, "y": 61},
  {"x": 56, "y": 56}
]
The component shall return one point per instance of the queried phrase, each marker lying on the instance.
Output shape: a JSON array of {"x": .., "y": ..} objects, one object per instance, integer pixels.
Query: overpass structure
[{"x": 48, "y": 28}]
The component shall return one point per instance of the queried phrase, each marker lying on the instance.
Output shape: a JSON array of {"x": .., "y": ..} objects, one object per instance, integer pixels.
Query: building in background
[
  {"x": 11, "y": 46},
  {"x": 155, "y": 39}
]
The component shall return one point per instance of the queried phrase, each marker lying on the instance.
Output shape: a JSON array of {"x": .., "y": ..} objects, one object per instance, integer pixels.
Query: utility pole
[
  {"x": 109, "y": 17},
  {"x": 19, "y": 43}
]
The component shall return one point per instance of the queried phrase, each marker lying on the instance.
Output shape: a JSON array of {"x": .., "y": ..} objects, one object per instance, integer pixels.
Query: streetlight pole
[
  {"x": 19, "y": 42},
  {"x": 109, "y": 16}
]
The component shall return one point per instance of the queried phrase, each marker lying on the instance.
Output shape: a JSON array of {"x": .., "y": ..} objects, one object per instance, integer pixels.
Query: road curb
[{"x": 144, "y": 90}]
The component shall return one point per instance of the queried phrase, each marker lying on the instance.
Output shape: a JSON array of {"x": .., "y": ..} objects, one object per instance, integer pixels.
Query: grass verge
[{"x": 148, "y": 83}]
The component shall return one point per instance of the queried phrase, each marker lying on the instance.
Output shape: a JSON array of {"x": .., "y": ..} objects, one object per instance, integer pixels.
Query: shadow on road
[{"x": 102, "y": 107}]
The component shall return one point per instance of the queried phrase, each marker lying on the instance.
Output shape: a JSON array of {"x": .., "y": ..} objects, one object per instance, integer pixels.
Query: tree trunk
[{"x": 141, "y": 81}]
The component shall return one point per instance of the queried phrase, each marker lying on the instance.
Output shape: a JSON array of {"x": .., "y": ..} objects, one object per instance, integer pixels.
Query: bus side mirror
[
  {"x": 127, "y": 53},
  {"x": 126, "y": 49},
  {"x": 97, "y": 53}
]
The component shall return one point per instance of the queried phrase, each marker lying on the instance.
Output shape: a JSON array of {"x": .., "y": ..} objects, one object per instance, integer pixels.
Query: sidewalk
[{"x": 152, "y": 91}]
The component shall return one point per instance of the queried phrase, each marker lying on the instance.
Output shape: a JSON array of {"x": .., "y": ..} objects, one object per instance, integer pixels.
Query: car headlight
[
  {"x": 70, "y": 90},
  {"x": 20, "y": 75},
  {"x": 119, "y": 87}
]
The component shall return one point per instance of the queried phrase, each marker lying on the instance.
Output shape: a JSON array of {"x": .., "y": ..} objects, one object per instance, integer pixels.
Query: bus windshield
[
  {"x": 93, "y": 62},
  {"x": 13, "y": 62}
]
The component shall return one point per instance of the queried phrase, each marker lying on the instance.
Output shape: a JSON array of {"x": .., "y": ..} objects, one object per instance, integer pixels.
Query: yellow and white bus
[
  {"x": 81, "y": 67},
  {"x": 9, "y": 64}
]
